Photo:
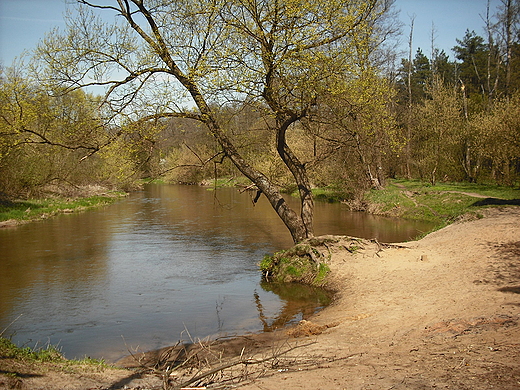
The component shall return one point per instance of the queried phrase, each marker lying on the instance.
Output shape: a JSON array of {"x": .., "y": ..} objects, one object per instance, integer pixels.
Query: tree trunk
[
  {"x": 300, "y": 228},
  {"x": 410, "y": 105},
  {"x": 300, "y": 175},
  {"x": 373, "y": 180}
]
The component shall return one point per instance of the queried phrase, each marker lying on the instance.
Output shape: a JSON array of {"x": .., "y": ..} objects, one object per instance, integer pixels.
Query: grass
[
  {"x": 9, "y": 350},
  {"x": 441, "y": 203},
  {"x": 297, "y": 264},
  {"x": 47, "y": 354},
  {"x": 323, "y": 271},
  {"x": 36, "y": 209},
  {"x": 489, "y": 190},
  {"x": 328, "y": 194}
]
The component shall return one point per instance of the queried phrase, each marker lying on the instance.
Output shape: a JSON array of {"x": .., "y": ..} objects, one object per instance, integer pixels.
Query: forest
[{"x": 288, "y": 95}]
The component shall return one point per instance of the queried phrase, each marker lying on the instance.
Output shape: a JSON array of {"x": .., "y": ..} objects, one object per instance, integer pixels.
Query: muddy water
[{"x": 165, "y": 264}]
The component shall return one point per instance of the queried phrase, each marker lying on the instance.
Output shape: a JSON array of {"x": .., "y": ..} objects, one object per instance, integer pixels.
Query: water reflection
[
  {"x": 48, "y": 258},
  {"x": 299, "y": 302},
  {"x": 166, "y": 259}
]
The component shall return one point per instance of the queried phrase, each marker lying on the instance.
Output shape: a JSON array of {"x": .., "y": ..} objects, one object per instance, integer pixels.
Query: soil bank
[{"x": 440, "y": 312}]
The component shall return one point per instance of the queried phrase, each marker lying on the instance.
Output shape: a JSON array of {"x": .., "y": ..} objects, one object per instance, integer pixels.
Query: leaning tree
[{"x": 183, "y": 58}]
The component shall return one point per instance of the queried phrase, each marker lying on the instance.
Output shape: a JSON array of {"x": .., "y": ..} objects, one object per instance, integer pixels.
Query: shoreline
[
  {"x": 440, "y": 311},
  {"x": 40, "y": 209}
]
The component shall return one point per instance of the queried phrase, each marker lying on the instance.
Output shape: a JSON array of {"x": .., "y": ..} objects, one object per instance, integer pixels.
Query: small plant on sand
[
  {"x": 46, "y": 354},
  {"x": 8, "y": 350}
]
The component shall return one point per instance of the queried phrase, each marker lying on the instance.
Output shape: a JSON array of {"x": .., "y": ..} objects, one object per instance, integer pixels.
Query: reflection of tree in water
[{"x": 299, "y": 302}]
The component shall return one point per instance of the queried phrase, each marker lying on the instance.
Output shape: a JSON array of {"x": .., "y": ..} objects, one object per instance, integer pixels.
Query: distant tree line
[
  {"x": 432, "y": 119},
  {"x": 460, "y": 120},
  {"x": 350, "y": 118}
]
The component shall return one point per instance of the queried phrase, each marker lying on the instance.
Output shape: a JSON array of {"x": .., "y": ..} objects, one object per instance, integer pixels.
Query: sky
[
  {"x": 24, "y": 22},
  {"x": 450, "y": 19}
]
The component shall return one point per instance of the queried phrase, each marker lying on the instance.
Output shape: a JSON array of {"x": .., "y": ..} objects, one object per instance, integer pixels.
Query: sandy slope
[{"x": 441, "y": 312}]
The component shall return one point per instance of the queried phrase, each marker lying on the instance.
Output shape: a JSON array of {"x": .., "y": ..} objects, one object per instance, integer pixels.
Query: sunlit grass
[
  {"x": 45, "y": 354},
  {"x": 440, "y": 204},
  {"x": 489, "y": 190},
  {"x": 329, "y": 194},
  {"x": 34, "y": 209}
]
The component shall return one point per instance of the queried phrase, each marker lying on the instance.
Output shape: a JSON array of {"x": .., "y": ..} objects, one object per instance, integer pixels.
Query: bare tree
[
  {"x": 508, "y": 27},
  {"x": 409, "y": 72}
]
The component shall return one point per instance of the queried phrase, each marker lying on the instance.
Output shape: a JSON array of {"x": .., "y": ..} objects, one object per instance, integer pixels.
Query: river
[{"x": 168, "y": 263}]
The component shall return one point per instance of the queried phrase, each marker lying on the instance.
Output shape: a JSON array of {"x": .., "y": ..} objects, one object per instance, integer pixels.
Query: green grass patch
[
  {"x": 323, "y": 271},
  {"x": 329, "y": 194},
  {"x": 46, "y": 354},
  {"x": 488, "y": 190},
  {"x": 9, "y": 350},
  {"x": 36, "y": 209},
  {"x": 300, "y": 264},
  {"x": 389, "y": 198},
  {"x": 440, "y": 204}
]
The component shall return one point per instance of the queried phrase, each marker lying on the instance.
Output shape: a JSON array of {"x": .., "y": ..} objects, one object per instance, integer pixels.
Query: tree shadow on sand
[{"x": 496, "y": 202}]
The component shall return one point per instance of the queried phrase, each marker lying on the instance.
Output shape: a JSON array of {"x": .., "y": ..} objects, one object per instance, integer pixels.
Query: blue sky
[
  {"x": 24, "y": 22},
  {"x": 451, "y": 19}
]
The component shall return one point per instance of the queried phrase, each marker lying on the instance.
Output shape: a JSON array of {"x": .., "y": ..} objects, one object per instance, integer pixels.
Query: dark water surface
[{"x": 167, "y": 260}]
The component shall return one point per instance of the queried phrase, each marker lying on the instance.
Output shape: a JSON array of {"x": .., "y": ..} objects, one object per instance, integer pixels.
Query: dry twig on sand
[{"x": 204, "y": 363}]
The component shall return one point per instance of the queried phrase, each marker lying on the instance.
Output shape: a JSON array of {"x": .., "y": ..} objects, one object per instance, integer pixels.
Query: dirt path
[
  {"x": 441, "y": 312},
  {"x": 472, "y": 194},
  {"x": 409, "y": 193}
]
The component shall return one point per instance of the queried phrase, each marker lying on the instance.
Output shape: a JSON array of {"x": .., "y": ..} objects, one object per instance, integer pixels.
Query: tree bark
[{"x": 299, "y": 172}]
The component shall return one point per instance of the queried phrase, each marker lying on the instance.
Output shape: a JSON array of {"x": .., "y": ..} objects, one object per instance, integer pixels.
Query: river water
[{"x": 166, "y": 264}]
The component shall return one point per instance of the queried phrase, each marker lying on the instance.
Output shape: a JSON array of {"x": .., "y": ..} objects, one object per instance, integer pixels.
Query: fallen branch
[{"x": 240, "y": 361}]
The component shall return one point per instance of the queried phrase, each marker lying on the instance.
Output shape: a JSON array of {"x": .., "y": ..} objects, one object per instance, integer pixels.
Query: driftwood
[
  {"x": 203, "y": 363},
  {"x": 240, "y": 361}
]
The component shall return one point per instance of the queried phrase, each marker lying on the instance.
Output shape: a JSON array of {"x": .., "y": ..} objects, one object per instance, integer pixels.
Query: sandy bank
[{"x": 441, "y": 312}]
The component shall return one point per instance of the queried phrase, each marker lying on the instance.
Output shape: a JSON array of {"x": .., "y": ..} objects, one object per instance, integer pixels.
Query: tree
[
  {"x": 508, "y": 27},
  {"x": 443, "y": 67},
  {"x": 498, "y": 140},
  {"x": 472, "y": 51},
  {"x": 162, "y": 57},
  {"x": 439, "y": 127},
  {"x": 409, "y": 71},
  {"x": 45, "y": 140}
]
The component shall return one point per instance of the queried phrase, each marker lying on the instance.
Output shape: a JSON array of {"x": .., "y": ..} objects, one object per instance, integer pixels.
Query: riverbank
[
  {"x": 408, "y": 199},
  {"x": 77, "y": 199},
  {"x": 441, "y": 204},
  {"x": 440, "y": 312}
]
